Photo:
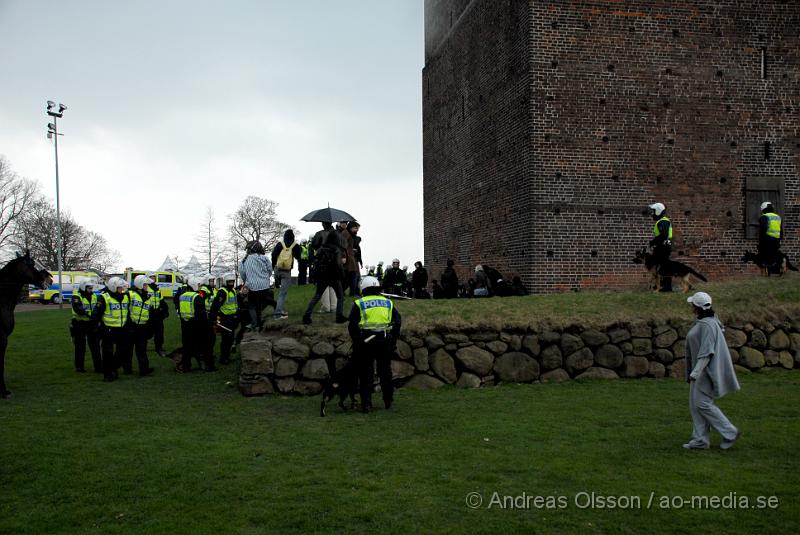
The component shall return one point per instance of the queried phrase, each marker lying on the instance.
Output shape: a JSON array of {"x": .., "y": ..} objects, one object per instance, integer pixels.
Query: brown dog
[{"x": 670, "y": 268}]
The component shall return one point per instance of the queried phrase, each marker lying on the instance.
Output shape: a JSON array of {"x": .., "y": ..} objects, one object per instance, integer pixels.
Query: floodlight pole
[{"x": 59, "y": 240}]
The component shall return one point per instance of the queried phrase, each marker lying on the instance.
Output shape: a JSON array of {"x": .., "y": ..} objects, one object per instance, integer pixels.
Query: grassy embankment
[{"x": 187, "y": 454}]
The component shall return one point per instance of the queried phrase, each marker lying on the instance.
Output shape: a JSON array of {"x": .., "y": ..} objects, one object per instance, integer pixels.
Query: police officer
[
  {"x": 769, "y": 233},
  {"x": 374, "y": 326},
  {"x": 302, "y": 263},
  {"x": 225, "y": 312},
  {"x": 112, "y": 314},
  {"x": 159, "y": 311},
  {"x": 394, "y": 281},
  {"x": 194, "y": 326},
  {"x": 83, "y": 329},
  {"x": 662, "y": 240},
  {"x": 140, "y": 306},
  {"x": 209, "y": 290}
]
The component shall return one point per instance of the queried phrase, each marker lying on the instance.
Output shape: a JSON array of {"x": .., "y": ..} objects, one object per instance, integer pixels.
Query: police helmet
[
  {"x": 84, "y": 283},
  {"x": 140, "y": 280},
  {"x": 229, "y": 277},
  {"x": 368, "y": 282},
  {"x": 194, "y": 282},
  {"x": 766, "y": 204},
  {"x": 657, "y": 208}
]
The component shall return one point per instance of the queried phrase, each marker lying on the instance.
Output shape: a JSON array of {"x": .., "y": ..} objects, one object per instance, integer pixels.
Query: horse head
[{"x": 25, "y": 270}]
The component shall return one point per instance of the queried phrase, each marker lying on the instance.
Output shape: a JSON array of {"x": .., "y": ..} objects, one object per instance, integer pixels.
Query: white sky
[{"x": 181, "y": 105}]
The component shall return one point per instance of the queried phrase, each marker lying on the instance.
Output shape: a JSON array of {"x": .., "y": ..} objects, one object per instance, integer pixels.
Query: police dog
[
  {"x": 342, "y": 383},
  {"x": 670, "y": 268},
  {"x": 779, "y": 266}
]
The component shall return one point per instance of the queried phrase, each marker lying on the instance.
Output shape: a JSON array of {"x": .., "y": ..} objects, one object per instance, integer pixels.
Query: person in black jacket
[
  {"x": 449, "y": 281},
  {"x": 328, "y": 272},
  {"x": 419, "y": 281},
  {"x": 83, "y": 328}
]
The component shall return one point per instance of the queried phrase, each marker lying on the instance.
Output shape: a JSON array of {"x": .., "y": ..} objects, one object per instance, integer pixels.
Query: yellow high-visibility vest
[
  {"x": 774, "y": 227},
  {"x": 140, "y": 308},
  {"x": 376, "y": 312},
  {"x": 88, "y": 307},
  {"x": 657, "y": 232},
  {"x": 116, "y": 312},
  {"x": 230, "y": 307},
  {"x": 186, "y": 305}
]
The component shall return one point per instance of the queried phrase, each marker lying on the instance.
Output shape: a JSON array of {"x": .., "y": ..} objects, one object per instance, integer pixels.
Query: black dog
[
  {"x": 778, "y": 266},
  {"x": 342, "y": 383},
  {"x": 670, "y": 268}
]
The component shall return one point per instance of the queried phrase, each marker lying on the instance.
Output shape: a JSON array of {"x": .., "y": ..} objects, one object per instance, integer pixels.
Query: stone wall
[{"x": 296, "y": 362}]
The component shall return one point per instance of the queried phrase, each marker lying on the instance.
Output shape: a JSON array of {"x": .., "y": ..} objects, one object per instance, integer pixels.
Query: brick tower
[{"x": 550, "y": 125}]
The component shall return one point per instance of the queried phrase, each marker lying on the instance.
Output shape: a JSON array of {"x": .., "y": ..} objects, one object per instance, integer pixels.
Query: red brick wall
[{"x": 626, "y": 103}]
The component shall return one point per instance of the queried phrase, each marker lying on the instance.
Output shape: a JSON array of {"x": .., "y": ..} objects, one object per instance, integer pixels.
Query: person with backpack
[
  {"x": 283, "y": 257},
  {"x": 328, "y": 268}
]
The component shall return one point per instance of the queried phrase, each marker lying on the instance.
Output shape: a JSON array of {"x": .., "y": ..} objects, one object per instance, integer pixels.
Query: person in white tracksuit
[{"x": 710, "y": 374}]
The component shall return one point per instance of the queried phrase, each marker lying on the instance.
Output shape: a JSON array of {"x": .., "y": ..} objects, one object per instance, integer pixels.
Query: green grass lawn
[{"x": 187, "y": 454}]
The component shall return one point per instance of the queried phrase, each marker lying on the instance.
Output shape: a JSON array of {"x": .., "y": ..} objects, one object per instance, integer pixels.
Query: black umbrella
[{"x": 327, "y": 215}]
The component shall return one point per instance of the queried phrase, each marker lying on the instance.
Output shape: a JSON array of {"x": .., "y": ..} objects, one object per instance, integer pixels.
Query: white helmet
[
  {"x": 84, "y": 283},
  {"x": 658, "y": 208},
  {"x": 141, "y": 280},
  {"x": 369, "y": 282},
  {"x": 380, "y": 263},
  {"x": 194, "y": 282},
  {"x": 229, "y": 277},
  {"x": 111, "y": 284},
  {"x": 765, "y": 204}
]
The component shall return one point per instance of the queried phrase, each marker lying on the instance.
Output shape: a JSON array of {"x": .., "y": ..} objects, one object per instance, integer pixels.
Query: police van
[
  {"x": 70, "y": 281},
  {"x": 167, "y": 281}
]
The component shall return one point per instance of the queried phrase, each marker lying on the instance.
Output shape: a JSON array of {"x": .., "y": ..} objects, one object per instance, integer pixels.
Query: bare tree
[
  {"x": 256, "y": 220},
  {"x": 81, "y": 248},
  {"x": 207, "y": 241},
  {"x": 16, "y": 194}
]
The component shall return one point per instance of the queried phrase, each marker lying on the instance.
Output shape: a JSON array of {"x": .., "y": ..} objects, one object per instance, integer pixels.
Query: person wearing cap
[
  {"x": 769, "y": 233},
  {"x": 112, "y": 314},
  {"x": 662, "y": 240},
  {"x": 256, "y": 270},
  {"x": 710, "y": 374},
  {"x": 394, "y": 280},
  {"x": 224, "y": 311},
  {"x": 285, "y": 252},
  {"x": 83, "y": 329},
  {"x": 374, "y": 327},
  {"x": 139, "y": 312}
]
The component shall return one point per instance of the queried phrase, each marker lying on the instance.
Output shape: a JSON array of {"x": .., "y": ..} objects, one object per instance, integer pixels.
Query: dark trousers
[
  {"x": 115, "y": 350},
  {"x": 157, "y": 325},
  {"x": 141, "y": 334},
  {"x": 322, "y": 285},
  {"x": 194, "y": 339},
  {"x": 768, "y": 249},
  {"x": 375, "y": 353},
  {"x": 226, "y": 337},
  {"x": 302, "y": 268},
  {"x": 83, "y": 333},
  {"x": 257, "y": 301},
  {"x": 352, "y": 283},
  {"x": 662, "y": 254}
]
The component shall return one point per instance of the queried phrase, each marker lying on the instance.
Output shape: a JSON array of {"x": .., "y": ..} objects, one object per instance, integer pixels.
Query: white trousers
[
  {"x": 705, "y": 415},
  {"x": 328, "y": 300}
]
